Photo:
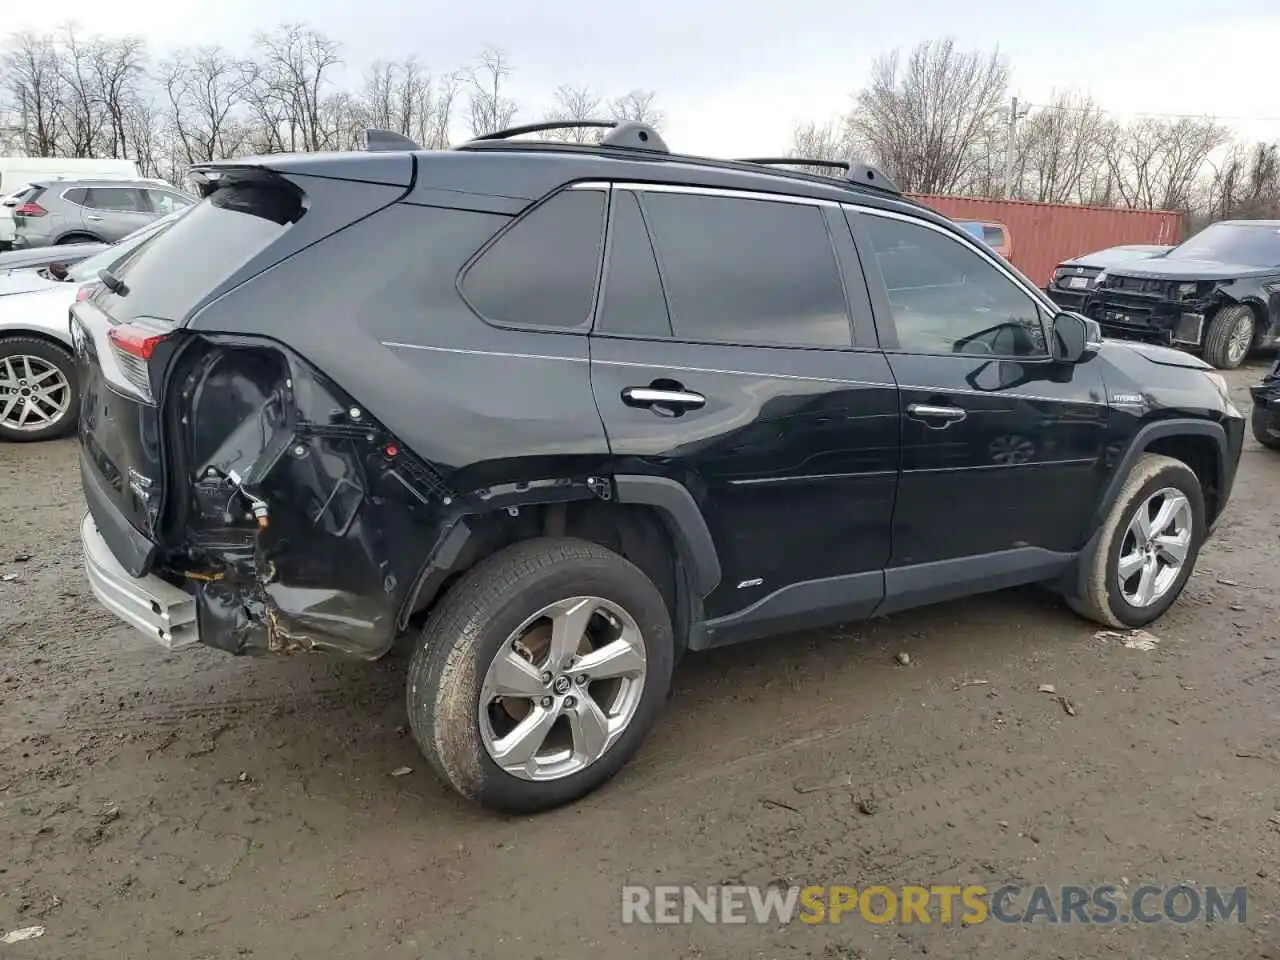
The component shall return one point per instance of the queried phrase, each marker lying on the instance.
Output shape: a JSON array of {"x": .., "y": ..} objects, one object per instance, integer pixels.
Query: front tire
[
  {"x": 1263, "y": 423},
  {"x": 539, "y": 674},
  {"x": 1230, "y": 337},
  {"x": 1147, "y": 547},
  {"x": 38, "y": 391}
]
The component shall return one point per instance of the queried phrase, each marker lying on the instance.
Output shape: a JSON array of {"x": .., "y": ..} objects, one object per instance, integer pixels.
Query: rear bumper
[{"x": 160, "y": 610}]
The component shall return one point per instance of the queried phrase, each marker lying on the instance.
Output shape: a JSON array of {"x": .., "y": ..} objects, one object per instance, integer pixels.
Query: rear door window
[
  {"x": 994, "y": 236},
  {"x": 78, "y": 196},
  {"x": 204, "y": 245},
  {"x": 542, "y": 270},
  {"x": 123, "y": 199},
  {"x": 747, "y": 271},
  {"x": 633, "y": 302}
]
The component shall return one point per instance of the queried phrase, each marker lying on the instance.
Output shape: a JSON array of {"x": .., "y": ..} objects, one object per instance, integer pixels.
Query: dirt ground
[{"x": 194, "y": 805}]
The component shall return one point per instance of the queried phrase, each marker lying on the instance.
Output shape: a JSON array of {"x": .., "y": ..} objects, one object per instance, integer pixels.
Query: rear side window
[
  {"x": 204, "y": 246},
  {"x": 115, "y": 198},
  {"x": 542, "y": 271},
  {"x": 633, "y": 302},
  {"x": 748, "y": 271}
]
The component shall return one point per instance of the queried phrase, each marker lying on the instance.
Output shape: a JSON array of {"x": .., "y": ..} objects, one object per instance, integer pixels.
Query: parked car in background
[
  {"x": 41, "y": 258},
  {"x": 1215, "y": 292},
  {"x": 771, "y": 401},
  {"x": 1265, "y": 419},
  {"x": 52, "y": 212},
  {"x": 1073, "y": 279},
  {"x": 17, "y": 173},
  {"x": 994, "y": 235},
  {"x": 37, "y": 372}
]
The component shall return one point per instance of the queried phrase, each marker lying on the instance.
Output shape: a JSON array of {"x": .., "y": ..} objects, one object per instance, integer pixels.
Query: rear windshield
[
  {"x": 209, "y": 242},
  {"x": 1248, "y": 244},
  {"x": 115, "y": 254}
]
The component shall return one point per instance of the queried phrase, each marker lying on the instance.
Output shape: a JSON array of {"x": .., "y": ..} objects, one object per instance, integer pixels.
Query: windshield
[
  {"x": 1255, "y": 245},
  {"x": 88, "y": 269}
]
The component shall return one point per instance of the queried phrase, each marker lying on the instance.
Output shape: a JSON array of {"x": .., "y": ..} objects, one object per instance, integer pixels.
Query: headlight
[{"x": 1186, "y": 290}]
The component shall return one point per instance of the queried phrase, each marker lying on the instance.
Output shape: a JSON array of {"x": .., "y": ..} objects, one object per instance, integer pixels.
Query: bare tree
[
  {"x": 488, "y": 108},
  {"x": 1155, "y": 163},
  {"x": 116, "y": 67},
  {"x": 31, "y": 79},
  {"x": 82, "y": 118},
  {"x": 287, "y": 88},
  {"x": 1059, "y": 155},
  {"x": 930, "y": 116},
  {"x": 821, "y": 141},
  {"x": 205, "y": 91},
  {"x": 638, "y": 105},
  {"x": 574, "y": 104},
  {"x": 1244, "y": 184}
]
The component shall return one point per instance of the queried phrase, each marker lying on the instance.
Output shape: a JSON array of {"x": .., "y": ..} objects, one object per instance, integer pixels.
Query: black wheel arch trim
[
  {"x": 1142, "y": 440},
  {"x": 684, "y": 521}
]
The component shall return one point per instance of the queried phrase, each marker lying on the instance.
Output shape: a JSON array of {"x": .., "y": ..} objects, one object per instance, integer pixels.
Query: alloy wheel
[
  {"x": 1241, "y": 338},
  {"x": 34, "y": 393},
  {"x": 1155, "y": 547},
  {"x": 562, "y": 688}
]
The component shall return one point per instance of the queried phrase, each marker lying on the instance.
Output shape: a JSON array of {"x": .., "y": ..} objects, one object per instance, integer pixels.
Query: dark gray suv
[{"x": 90, "y": 210}]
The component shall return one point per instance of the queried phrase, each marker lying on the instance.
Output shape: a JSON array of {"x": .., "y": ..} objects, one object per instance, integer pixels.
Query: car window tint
[
  {"x": 115, "y": 198},
  {"x": 543, "y": 270},
  {"x": 633, "y": 300},
  {"x": 76, "y": 196},
  {"x": 993, "y": 236},
  {"x": 946, "y": 298},
  {"x": 748, "y": 271}
]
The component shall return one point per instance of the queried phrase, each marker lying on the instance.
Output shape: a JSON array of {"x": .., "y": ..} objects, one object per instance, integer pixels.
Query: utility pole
[{"x": 1010, "y": 139}]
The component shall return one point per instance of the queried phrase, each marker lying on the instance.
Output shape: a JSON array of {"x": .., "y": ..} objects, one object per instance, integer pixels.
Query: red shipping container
[{"x": 1045, "y": 234}]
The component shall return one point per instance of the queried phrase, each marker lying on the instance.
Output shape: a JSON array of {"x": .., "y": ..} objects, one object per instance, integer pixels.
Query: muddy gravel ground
[{"x": 197, "y": 806}]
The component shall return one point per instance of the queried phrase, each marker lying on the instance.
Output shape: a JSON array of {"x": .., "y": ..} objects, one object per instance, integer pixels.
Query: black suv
[
  {"x": 575, "y": 410},
  {"x": 1216, "y": 291}
]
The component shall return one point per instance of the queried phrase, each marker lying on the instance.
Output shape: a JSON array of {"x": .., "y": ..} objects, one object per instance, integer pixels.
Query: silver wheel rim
[
  {"x": 1241, "y": 337},
  {"x": 33, "y": 393},
  {"x": 562, "y": 689},
  {"x": 1155, "y": 547}
]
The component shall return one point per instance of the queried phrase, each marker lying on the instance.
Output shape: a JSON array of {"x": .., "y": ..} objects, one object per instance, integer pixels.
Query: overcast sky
[{"x": 734, "y": 77}]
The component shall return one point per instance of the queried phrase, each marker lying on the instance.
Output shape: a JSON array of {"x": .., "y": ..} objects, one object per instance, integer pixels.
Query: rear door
[
  {"x": 724, "y": 356},
  {"x": 112, "y": 213},
  {"x": 1003, "y": 448}
]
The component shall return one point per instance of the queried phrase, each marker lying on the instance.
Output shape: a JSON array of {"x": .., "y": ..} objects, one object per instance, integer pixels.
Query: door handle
[
  {"x": 657, "y": 398},
  {"x": 93, "y": 218},
  {"x": 925, "y": 413}
]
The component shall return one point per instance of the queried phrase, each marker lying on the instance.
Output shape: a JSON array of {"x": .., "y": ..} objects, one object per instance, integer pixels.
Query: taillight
[
  {"x": 83, "y": 293},
  {"x": 133, "y": 347},
  {"x": 30, "y": 209}
]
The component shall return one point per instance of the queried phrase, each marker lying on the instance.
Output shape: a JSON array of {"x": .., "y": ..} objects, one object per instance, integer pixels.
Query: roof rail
[
  {"x": 863, "y": 174},
  {"x": 377, "y": 141},
  {"x": 627, "y": 133}
]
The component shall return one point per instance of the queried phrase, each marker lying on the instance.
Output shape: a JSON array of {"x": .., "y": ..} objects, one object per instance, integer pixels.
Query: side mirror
[{"x": 1072, "y": 337}]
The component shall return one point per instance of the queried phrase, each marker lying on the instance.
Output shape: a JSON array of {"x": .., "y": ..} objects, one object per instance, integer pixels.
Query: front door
[
  {"x": 1002, "y": 455},
  {"x": 723, "y": 357}
]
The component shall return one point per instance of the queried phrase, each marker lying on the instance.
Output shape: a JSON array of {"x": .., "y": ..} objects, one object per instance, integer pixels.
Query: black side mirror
[{"x": 1073, "y": 337}]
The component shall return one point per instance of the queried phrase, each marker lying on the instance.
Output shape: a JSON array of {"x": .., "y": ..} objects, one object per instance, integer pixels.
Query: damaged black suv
[
  {"x": 1218, "y": 291},
  {"x": 559, "y": 413}
]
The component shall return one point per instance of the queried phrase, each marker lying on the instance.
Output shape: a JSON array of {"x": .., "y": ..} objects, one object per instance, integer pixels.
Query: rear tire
[
  {"x": 493, "y": 617},
  {"x": 58, "y": 402},
  {"x": 1106, "y": 596},
  {"x": 1230, "y": 336}
]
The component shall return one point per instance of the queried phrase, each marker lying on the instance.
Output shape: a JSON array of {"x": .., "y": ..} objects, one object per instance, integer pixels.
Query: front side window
[
  {"x": 747, "y": 271},
  {"x": 946, "y": 298},
  {"x": 542, "y": 271}
]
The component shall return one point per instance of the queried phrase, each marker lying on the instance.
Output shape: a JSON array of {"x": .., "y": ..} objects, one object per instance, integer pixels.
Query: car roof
[
  {"x": 1271, "y": 224},
  {"x": 520, "y": 171}
]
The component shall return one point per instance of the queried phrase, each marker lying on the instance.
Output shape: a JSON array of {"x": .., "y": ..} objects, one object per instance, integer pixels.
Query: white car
[{"x": 38, "y": 395}]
